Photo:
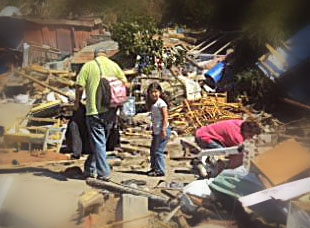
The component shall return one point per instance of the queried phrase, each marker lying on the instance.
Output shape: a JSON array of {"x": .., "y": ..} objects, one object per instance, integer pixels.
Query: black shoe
[
  {"x": 150, "y": 171},
  {"x": 75, "y": 157},
  {"x": 156, "y": 173},
  {"x": 102, "y": 178},
  {"x": 160, "y": 174},
  {"x": 90, "y": 175}
]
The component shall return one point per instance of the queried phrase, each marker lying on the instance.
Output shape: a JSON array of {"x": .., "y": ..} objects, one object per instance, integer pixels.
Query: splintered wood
[{"x": 191, "y": 115}]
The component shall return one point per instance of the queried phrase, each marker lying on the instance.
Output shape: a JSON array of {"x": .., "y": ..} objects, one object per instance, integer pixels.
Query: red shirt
[{"x": 227, "y": 132}]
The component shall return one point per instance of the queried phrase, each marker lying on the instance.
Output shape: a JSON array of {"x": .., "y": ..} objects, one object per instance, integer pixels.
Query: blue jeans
[
  {"x": 213, "y": 144},
  {"x": 157, "y": 152},
  {"x": 99, "y": 130}
]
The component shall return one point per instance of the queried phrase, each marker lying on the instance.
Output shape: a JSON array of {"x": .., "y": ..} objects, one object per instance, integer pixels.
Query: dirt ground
[{"x": 24, "y": 158}]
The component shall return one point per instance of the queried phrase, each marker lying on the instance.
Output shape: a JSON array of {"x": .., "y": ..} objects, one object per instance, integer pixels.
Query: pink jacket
[{"x": 227, "y": 132}]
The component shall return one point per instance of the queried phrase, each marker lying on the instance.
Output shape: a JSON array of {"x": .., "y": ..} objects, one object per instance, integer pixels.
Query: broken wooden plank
[
  {"x": 276, "y": 75},
  {"x": 192, "y": 61},
  {"x": 39, "y": 119},
  {"x": 296, "y": 103},
  {"x": 222, "y": 48},
  {"x": 276, "y": 54},
  {"x": 206, "y": 47},
  {"x": 197, "y": 46},
  {"x": 43, "y": 84},
  {"x": 171, "y": 214},
  {"x": 127, "y": 221},
  {"x": 119, "y": 188},
  {"x": 282, "y": 192},
  {"x": 42, "y": 70}
]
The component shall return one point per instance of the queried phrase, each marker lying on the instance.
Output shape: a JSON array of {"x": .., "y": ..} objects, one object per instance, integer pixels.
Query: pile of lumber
[{"x": 191, "y": 115}]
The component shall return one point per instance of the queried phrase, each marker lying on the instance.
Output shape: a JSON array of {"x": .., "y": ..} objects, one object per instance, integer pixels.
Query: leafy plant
[
  {"x": 140, "y": 37},
  {"x": 256, "y": 86}
]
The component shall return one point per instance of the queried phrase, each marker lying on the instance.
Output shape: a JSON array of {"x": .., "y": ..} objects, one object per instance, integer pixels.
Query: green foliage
[
  {"x": 141, "y": 37},
  {"x": 253, "y": 83},
  {"x": 136, "y": 36}
]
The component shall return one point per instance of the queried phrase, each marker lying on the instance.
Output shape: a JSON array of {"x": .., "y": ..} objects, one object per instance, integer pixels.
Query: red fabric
[{"x": 227, "y": 132}]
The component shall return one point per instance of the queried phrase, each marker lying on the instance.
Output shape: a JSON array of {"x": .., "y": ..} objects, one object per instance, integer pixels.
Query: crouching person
[{"x": 226, "y": 133}]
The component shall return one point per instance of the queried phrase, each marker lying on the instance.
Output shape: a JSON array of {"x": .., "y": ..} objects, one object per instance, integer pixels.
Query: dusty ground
[
  {"x": 45, "y": 193},
  {"x": 45, "y": 188},
  {"x": 10, "y": 157},
  {"x": 39, "y": 196}
]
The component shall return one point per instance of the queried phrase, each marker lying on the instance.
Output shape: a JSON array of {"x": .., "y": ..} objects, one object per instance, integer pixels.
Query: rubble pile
[
  {"x": 271, "y": 169},
  {"x": 194, "y": 114}
]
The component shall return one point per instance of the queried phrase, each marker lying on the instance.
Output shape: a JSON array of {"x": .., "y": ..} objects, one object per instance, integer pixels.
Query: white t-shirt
[{"x": 157, "y": 116}]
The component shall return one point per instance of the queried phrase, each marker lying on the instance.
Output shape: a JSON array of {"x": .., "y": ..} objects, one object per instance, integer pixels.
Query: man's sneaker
[
  {"x": 74, "y": 157},
  {"x": 104, "y": 178},
  {"x": 150, "y": 171},
  {"x": 90, "y": 175},
  {"x": 156, "y": 174}
]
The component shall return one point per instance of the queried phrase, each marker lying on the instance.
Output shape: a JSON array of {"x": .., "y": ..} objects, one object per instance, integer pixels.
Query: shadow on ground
[{"x": 74, "y": 172}]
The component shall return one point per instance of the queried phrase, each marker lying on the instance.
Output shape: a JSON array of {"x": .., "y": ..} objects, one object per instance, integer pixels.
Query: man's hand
[
  {"x": 235, "y": 160},
  {"x": 78, "y": 96},
  {"x": 76, "y": 106},
  {"x": 128, "y": 85},
  {"x": 163, "y": 133}
]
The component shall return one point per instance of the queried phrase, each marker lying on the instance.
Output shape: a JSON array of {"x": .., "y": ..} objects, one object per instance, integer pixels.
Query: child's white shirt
[{"x": 156, "y": 116}]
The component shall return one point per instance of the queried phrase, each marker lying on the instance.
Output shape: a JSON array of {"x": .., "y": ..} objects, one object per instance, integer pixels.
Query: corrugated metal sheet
[
  {"x": 86, "y": 22},
  {"x": 49, "y": 36},
  {"x": 80, "y": 37},
  {"x": 33, "y": 35},
  {"x": 95, "y": 31},
  {"x": 66, "y": 35},
  {"x": 87, "y": 53},
  {"x": 64, "y": 40}
]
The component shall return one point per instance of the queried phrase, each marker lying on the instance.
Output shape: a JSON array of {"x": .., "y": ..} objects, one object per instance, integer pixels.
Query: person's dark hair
[
  {"x": 163, "y": 95},
  {"x": 250, "y": 126}
]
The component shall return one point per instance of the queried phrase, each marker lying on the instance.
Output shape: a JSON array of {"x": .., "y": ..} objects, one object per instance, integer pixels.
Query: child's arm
[{"x": 164, "y": 112}]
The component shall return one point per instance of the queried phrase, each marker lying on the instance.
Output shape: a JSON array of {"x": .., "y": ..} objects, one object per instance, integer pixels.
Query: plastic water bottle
[{"x": 129, "y": 107}]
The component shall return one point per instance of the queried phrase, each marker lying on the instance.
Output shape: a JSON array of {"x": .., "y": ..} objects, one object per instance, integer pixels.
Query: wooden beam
[
  {"x": 198, "y": 46},
  {"x": 262, "y": 58},
  {"x": 296, "y": 103},
  {"x": 285, "y": 45},
  {"x": 43, "y": 84},
  {"x": 276, "y": 75},
  {"x": 222, "y": 48},
  {"x": 119, "y": 188},
  {"x": 189, "y": 59},
  {"x": 171, "y": 214},
  {"x": 206, "y": 47},
  {"x": 126, "y": 221},
  {"x": 282, "y": 192},
  {"x": 276, "y": 54},
  {"x": 38, "y": 119}
]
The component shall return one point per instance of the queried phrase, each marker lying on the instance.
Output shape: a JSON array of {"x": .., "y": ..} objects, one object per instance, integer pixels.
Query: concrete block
[
  {"x": 90, "y": 201},
  {"x": 299, "y": 214},
  {"x": 134, "y": 207}
]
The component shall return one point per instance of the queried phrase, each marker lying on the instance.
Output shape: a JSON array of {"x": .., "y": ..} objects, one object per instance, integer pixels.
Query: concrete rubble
[{"x": 46, "y": 82}]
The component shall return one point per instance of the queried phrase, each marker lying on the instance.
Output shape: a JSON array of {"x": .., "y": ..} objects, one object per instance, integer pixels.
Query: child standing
[{"x": 157, "y": 103}]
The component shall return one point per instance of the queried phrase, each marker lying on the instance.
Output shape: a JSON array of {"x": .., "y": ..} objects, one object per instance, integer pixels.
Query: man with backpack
[{"x": 99, "y": 117}]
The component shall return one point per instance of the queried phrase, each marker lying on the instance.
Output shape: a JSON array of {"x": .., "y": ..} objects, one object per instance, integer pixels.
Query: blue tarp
[{"x": 298, "y": 51}]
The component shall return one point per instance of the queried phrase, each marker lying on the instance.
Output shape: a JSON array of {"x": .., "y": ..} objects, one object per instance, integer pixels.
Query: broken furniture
[
  {"x": 286, "y": 162},
  {"x": 44, "y": 136}
]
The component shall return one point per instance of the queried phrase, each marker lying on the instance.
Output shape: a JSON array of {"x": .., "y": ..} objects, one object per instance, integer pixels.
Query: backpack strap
[{"x": 99, "y": 67}]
